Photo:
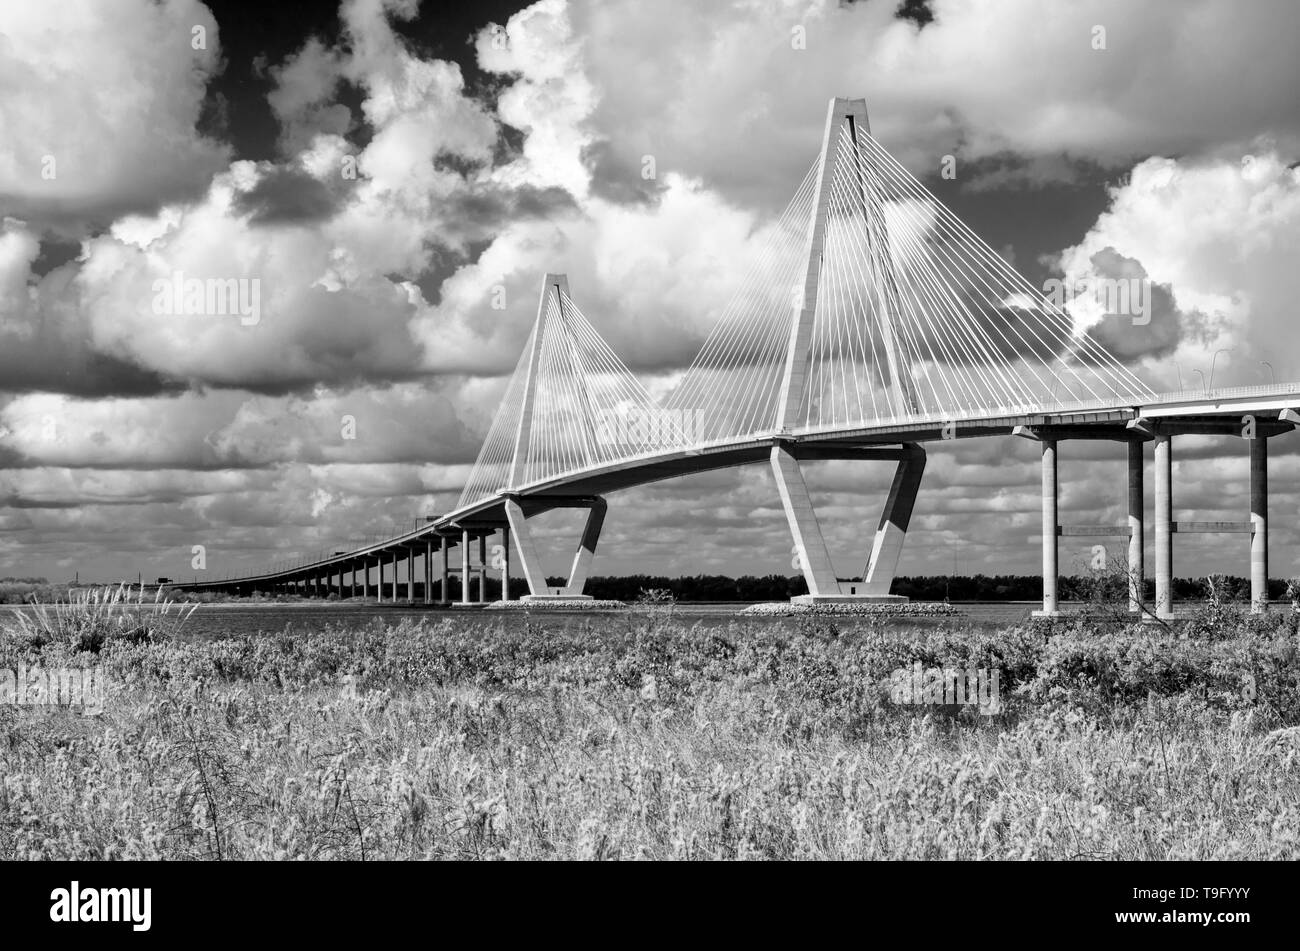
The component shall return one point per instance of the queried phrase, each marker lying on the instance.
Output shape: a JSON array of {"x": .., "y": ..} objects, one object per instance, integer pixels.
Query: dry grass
[
  {"x": 86, "y": 620},
  {"x": 452, "y": 741}
]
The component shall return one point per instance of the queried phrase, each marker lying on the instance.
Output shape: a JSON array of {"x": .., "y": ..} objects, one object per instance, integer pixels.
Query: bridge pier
[
  {"x": 809, "y": 544},
  {"x": 1051, "y": 530},
  {"x": 505, "y": 566},
  {"x": 464, "y": 566},
  {"x": 444, "y": 596},
  {"x": 1259, "y": 524},
  {"x": 805, "y": 529},
  {"x": 1136, "y": 528},
  {"x": 894, "y": 519},
  {"x": 482, "y": 569},
  {"x": 1164, "y": 516},
  {"x": 517, "y": 519}
]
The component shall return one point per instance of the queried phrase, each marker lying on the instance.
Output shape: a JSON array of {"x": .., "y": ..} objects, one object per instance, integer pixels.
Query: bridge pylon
[
  {"x": 572, "y": 387},
  {"x": 846, "y": 120}
]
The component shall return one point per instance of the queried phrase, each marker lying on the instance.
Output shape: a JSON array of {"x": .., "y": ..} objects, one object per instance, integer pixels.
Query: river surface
[{"x": 213, "y": 620}]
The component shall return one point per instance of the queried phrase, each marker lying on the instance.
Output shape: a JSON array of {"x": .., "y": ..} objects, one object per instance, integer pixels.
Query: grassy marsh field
[{"x": 640, "y": 737}]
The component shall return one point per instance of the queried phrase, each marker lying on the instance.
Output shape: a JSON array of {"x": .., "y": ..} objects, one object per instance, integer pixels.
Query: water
[{"x": 214, "y": 620}]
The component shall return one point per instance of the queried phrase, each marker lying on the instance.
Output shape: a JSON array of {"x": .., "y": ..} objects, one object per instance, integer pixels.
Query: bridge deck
[{"x": 1217, "y": 411}]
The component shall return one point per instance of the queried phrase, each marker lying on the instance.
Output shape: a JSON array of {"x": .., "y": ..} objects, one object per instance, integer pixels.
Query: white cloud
[
  {"x": 1223, "y": 236},
  {"x": 104, "y": 94},
  {"x": 717, "y": 91},
  {"x": 731, "y": 114}
]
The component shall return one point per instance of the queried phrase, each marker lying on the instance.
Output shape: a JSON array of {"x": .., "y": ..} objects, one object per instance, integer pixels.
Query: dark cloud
[
  {"x": 55, "y": 252},
  {"x": 288, "y": 196},
  {"x": 1155, "y": 332},
  {"x": 54, "y": 365},
  {"x": 616, "y": 177}
]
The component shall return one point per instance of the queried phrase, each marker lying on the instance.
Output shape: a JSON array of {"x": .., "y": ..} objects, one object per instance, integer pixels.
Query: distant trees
[{"x": 918, "y": 588}]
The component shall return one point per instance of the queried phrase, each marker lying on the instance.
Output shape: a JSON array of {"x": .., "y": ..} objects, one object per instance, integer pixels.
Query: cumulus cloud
[
  {"x": 731, "y": 93},
  {"x": 100, "y": 106},
  {"x": 1218, "y": 239},
  {"x": 642, "y": 150},
  {"x": 405, "y": 423}
]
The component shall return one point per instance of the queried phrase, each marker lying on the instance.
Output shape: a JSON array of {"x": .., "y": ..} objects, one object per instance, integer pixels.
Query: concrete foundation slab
[{"x": 847, "y": 598}]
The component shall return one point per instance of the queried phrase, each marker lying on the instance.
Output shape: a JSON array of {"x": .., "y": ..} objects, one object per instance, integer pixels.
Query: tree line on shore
[{"x": 773, "y": 588}]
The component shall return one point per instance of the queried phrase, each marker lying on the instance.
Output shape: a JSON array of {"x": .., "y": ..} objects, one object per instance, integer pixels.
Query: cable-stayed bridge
[{"x": 871, "y": 321}]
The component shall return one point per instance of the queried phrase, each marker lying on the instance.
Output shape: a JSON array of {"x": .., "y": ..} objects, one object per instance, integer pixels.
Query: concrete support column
[
  {"x": 1136, "y": 534},
  {"x": 428, "y": 571},
  {"x": 395, "y": 577},
  {"x": 1164, "y": 513},
  {"x": 464, "y": 566},
  {"x": 1258, "y": 524},
  {"x": 1051, "y": 606},
  {"x": 443, "y": 595},
  {"x": 505, "y": 566},
  {"x": 365, "y": 580},
  {"x": 482, "y": 569}
]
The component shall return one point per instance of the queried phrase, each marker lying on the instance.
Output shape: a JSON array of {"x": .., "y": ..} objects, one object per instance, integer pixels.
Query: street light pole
[{"x": 1214, "y": 361}]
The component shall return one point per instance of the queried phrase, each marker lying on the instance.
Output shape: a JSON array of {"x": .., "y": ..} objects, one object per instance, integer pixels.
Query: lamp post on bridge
[{"x": 1214, "y": 361}]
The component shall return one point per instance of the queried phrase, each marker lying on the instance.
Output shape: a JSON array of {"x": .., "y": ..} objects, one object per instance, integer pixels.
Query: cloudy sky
[{"x": 385, "y": 168}]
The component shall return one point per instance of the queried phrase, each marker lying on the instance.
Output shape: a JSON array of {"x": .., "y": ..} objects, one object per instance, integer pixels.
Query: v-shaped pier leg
[
  {"x": 586, "y": 548},
  {"x": 809, "y": 543},
  {"x": 892, "y": 530},
  {"x": 810, "y": 546},
  {"x": 517, "y": 513}
]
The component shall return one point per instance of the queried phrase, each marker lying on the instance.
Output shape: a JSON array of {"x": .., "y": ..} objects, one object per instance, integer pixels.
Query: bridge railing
[{"x": 1228, "y": 392}]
